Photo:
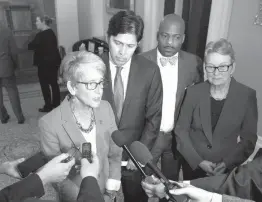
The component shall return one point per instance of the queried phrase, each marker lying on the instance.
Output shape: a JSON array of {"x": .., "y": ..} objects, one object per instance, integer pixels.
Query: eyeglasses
[
  {"x": 221, "y": 68},
  {"x": 93, "y": 85}
]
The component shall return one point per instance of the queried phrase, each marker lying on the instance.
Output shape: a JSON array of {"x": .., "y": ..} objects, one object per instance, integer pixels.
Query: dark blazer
[
  {"x": 226, "y": 198},
  {"x": 238, "y": 119},
  {"x": 190, "y": 72},
  {"x": 142, "y": 107},
  {"x": 8, "y": 53},
  {"x": 244, "y": 181},
  {"x": 46, "y": 53},
  {"x": 32, "y": 186},
  {"x": 58, "y": 130}
]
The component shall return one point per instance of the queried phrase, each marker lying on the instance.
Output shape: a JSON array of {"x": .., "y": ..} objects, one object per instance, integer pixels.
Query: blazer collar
[
  {"x": 227, "y": 110},
  {"x": 73, "y": 132},
  {"x": 205, "y": 112},
  {"x": 229, "y": 107}
]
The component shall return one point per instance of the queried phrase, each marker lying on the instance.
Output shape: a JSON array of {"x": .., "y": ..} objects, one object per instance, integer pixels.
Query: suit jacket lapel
[
  {"x": 130, "y": 90},
  {"x": 99, "y": 132},
  {"x": 205, "y": 113},
  {"x": 70, "y": 126},
  {"x": 229, "y": 107},
  {"x": 108, "y": 92},
  {"x": 181, "y": 83}
]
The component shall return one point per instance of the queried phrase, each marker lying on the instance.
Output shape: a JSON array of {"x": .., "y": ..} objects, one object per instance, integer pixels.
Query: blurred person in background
[
  {"x": 8, "y": 65},
  {"x": 47, "y": 59}
]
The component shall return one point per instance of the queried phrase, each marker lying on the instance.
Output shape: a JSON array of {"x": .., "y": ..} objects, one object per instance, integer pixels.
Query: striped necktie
[{"x": 118, "y": 92}]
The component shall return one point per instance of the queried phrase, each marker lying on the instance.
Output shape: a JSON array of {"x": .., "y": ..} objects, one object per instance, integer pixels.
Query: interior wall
[
  {"x": 91, "y": 18},
  {"x": 246, "y": 39},
  {"x": 67, "y": 23}
]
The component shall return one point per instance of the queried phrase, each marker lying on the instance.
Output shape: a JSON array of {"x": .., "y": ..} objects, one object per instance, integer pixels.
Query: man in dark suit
[
  {"x": 8, "y": 64},
  {"x": 179, "y": 70},
  {"x": 134, "y": 92},
  {"x": 53, "y": 171}
]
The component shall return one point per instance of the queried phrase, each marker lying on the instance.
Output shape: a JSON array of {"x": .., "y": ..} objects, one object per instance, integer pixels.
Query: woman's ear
[
  {"x": 71, "y": 87},
  {"x": 233, "y": 68}
]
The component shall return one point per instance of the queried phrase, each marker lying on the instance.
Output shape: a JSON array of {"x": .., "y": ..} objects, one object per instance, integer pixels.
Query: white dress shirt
[
  {"x": 111, "y": 184},
  {"x": 124, "y": 74},
  {"x": 169, "y": 74}
]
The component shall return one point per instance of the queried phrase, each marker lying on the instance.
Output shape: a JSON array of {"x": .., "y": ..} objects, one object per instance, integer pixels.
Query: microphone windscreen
[
  {"x": 140, "y": 152},
  {"x": 118, "y": 138}
]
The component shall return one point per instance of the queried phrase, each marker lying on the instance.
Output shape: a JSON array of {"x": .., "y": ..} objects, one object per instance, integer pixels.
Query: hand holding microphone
[
  {"x": 142, "y": 154},
  {"x": 120, "y": 140}
]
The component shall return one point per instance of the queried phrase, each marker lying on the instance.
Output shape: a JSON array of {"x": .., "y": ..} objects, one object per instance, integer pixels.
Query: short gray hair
[
  {"x": 72, "y": 61},
  {"x": 221, "y": 46}
]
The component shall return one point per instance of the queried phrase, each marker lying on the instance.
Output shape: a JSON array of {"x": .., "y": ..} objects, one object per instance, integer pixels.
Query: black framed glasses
[
  {"x": 93, "y": 85},
  {"x": 221, "y": 68}
]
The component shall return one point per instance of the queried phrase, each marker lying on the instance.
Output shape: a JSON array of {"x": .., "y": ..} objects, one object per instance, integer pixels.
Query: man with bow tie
[{"x": 179, "y": 70}]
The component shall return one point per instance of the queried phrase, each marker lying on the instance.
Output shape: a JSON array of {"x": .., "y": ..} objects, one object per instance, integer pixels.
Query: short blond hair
[
  {"x": 72, "y": 61},
  {"x": 221, "y": 46}
]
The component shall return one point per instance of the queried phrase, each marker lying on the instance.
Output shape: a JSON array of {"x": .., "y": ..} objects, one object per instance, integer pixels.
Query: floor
[{"x": 18, "y": 141}]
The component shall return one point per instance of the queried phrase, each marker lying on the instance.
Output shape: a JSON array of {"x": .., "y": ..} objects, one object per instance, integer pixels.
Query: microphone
[
  {"x": 143, "y": 155},
  {"x": 121, "y": 141}
]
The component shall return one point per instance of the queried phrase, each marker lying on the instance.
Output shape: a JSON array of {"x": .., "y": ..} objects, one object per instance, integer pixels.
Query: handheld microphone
[
  {"x": 120, "y": 140},
  {"x": 143, "y": 155}
]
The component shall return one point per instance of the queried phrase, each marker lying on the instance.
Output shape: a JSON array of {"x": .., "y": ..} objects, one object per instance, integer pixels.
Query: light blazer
[
  {"x": 58, "y": 126},
  {"x": 244, "y": 181},
  {"x": 8, "y": 53},
  {"x": 190, "y": 72},
  {"x": 238, "y": 118},
  {"x": 142, "y": 107}
]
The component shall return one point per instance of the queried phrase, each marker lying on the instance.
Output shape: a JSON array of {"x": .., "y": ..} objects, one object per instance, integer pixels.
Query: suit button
[{"x": 209, "y": 146}]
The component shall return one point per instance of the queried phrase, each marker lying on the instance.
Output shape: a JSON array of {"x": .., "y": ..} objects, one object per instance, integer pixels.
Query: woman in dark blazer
[
  {"x": 83, "y": 117},
  {"x": 217, "y": 126},
  {"x": 47, "y": 59}
]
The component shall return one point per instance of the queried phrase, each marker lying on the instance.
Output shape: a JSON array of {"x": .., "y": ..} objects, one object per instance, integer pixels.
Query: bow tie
[{"x": 172, "y": 60}]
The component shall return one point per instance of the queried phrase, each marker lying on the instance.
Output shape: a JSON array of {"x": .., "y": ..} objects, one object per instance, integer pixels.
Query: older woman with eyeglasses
[
  {"x": 83, "y": 117},
  {"x": 217, "y": 127}
]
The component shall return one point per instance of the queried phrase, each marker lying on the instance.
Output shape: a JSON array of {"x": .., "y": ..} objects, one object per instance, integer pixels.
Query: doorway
[
  {"x": 196, "y": 16},
  {"x": 19, "y": 16}
]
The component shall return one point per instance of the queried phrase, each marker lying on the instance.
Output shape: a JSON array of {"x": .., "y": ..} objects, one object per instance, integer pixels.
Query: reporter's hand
[
  {"x": 195, "y": 194},
  {"x": 154, "y": 187},
  {"x": 9, "y": 168},
  {"x": 220, "y": 168},
  {"x": 54, "y": 170},
  {"x": 130, "y": 165},
  {"x": 82, "y": 47},
  {"x": 208, "y": 167},
  {"x": 90, "y": 169}
]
